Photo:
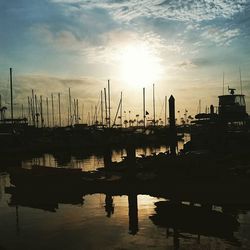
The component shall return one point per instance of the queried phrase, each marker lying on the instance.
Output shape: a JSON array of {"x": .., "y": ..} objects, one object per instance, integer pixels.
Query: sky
[{"x": 183, "y": 47}]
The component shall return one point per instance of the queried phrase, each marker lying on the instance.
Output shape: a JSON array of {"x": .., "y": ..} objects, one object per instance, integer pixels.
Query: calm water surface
[{"x": 100, "y": 221}]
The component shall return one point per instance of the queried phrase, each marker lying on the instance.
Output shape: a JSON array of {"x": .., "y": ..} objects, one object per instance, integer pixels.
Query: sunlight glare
[{"x": 139, "y": 65}]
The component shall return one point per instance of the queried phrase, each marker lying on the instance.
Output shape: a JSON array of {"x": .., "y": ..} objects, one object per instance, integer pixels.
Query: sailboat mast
[
  {"x": 109, "y": 118},
  {"x": 101, "y": 107},
  {"x": 52, "y": 106},
  {"x": 11, "y": 97},
  {"x": 154, "y": 102},
  {"x": 144, "y": 109},
  {"x": 106, "y": 109},
  {"x": 59, "y": 109},
  {"x": 41, "y": 111},
  {"x": 121, "y": 110},
  {"x": 70, "y": 115},
  {"x": 47, "y": 107}
]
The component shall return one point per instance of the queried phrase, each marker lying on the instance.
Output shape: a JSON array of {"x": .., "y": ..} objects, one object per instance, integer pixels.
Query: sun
[{"x": 139, "y": 65}]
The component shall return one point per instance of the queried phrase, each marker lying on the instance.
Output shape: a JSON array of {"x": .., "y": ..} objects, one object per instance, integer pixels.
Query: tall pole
[
  {"x": 77, "y": 111},
  {"x": 33, "y": 108},
  {"x": 47, "y": 107},
  {"x": 106, "y": 109},
  {"x": 52, "y": 106},
  {"x": 37, "y": 114},
  {"x": 11, "y": 97},
  {"x": 172, "y": 125},
  {"x": 109, "y": 103},
  {"x": 41, "y": 111},
  {"x": 102, "y": 107},
  {"x": 166, "y": 110},
  {"x": 144, "y": 108},
  {"x": 29, "y": 110},
  {"x": 59, "y": 109},
  {"x": 154, "y": 102},
  {"x": 121, "y": 110},
  {"x": 70, "y": 115},
  {"x": 74, "y": 106}
]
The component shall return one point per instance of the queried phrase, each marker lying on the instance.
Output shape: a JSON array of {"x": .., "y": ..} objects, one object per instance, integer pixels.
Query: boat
[{"x": 226, "y": 130}]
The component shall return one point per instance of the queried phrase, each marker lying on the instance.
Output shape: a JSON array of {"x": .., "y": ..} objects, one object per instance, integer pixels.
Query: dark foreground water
[{"x": 101, "y": 221}]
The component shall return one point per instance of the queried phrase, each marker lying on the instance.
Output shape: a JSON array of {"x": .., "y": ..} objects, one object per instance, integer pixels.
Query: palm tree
[{"x": 125, "y": 123}]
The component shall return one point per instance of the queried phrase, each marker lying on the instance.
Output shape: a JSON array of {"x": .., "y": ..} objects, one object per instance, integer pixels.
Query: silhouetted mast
[
  {"x": 29, "y": 118},
  {"x": 70, "y": 116},
  {"x": 52, "y": 106},
  {"x": 166, "y": 110},
  {"x": 144, "y": 109},
  {"x": 33, "y": 108},
  {"x": 154, "y": 102},
  {"x": 106, "y": 109},
  {"x": 77, "y": 111},
  {"x": 109, "y": 103},
  {"x": 117, "y": 111},
  {"x": 36, "y": 110},
  {"x": 11, "y": 97},
  {"x": 102, "y": 107},
  {"x": 47, "y": 107},
  {"x": 121, "y": 110},
  {"x": 59, "y": 109},
  {"x": 41, "y": 111}
]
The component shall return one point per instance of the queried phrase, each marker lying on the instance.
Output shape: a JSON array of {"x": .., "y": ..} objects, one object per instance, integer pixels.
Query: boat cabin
[{"x": 232, "y": 107}]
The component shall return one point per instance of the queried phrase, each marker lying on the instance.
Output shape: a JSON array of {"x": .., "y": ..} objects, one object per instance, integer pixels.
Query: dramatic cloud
[
  {"x": 49, "y": 41},
  {"x": 171, "y": 9}
]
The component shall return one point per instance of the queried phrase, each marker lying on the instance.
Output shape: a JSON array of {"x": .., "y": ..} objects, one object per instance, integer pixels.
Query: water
[
  {"x": 102, "y": 221},
  {"x": 86, "y": 161}
]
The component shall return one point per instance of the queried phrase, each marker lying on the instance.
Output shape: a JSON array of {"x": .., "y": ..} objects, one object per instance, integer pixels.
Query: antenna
[{"x": 240, "y": 81}]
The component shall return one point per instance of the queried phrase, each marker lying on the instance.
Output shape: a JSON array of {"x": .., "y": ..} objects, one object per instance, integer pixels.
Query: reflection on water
[
  {"x": 103, "y": 221},
  {"x": 87, "y": 161}
]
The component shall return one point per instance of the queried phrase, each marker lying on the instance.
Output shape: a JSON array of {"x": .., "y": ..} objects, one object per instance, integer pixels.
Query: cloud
[
  {"x": 221, "y": 36},
  {"x": 85, "y": 88},
  {"x": 189, "y": 10},
  {"x": 185, "y": 65}
]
